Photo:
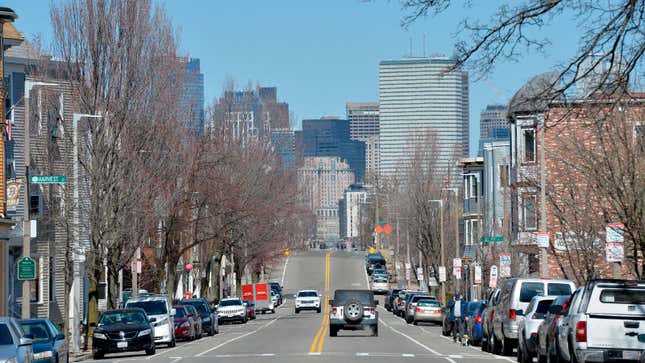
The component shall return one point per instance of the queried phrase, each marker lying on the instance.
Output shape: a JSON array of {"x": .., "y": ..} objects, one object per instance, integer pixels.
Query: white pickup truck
[{"x": 605, "y": 322}]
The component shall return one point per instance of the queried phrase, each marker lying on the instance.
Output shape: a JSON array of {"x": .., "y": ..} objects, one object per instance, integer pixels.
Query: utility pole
[
  {"x": 544, "y": 269},
  {"x": 441, "y": 247},
  {"x": 135, "y": 273},
  {"x": 407, "y": 252}
]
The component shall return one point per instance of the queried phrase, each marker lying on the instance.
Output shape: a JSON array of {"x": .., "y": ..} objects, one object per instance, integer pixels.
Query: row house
[{"x": 559, "y": 154}]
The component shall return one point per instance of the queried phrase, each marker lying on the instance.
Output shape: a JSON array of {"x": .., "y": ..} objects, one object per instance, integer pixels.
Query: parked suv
[
  {"x": 604, "y": 322},
  {"x": 513, "y": 300},
  {"x": 159, "y": 309},
  {"x": 353, "y": 310}
]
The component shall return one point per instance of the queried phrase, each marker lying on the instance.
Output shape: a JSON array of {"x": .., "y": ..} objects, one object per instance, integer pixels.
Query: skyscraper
[
  {"x": 494, "y": 126},
  {"x": 191, "y": 103},
  {"x": 284, "y": 145},
  {"x": 329, "y": 136},
  {"x": 364, "y": 126},
  {"x": 419, "y": 96}
]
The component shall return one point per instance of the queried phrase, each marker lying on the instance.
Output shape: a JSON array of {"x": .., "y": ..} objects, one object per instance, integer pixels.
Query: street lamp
[
  {"x": 443, "y": 257},
  {"x": 26, "y": 224},
  {"x": 75, "y": 291}
]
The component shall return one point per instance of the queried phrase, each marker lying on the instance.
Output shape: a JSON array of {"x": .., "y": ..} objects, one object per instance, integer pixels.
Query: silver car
[
  {"x": 528, "y": 328},
  {"x": 15, "y": 346}
]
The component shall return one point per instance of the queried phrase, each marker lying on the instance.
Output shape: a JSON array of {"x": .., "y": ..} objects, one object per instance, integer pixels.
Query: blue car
[
  {"x": 473, "y": 322},
  {"x": 49, "y": 344}
]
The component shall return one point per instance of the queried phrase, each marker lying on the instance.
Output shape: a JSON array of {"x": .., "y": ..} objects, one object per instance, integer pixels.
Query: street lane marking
[
  {"x": 284, "y": 271},
  {"x": 417, "y": 342},
  {"x": 407, "y": 355},
  {"x": 362, "y": 354},
  {"x": 319, "y": 339},
  {"x": 236, "y": 338}
]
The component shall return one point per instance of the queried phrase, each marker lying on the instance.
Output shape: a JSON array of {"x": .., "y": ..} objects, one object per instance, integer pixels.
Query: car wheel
[
  {"x": 273, "y": 311},
  {"x": 526, "y": 357},
  {"x": 318, "y": 310},
  {"x": 297, "y": 311},
  {"x": 484, "y": 343},
  {"x": 172, "y": 344},
  {"x": 507, "y": 347},
  {"x": 333, "y": 331},
  {"x": 98, "y": 355},
  {"x": 415, "y": 322},
  {"x": 496, "y": 345},
  {"x": 375, "y": 330},
  {"x": 151, "y": 351}
]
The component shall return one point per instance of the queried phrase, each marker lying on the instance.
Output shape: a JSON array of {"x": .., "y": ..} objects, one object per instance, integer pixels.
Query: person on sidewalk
[{"x": 457, "y": 311}]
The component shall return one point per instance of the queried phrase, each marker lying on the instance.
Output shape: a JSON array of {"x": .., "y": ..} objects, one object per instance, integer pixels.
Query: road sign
[
  {"x": 26, "y": 269},
  {"x": 48, "y": 179},
  {"x": 420, "y": 273},
  {"x": 478, "y": 275},
  {"x": 442, "y": 273},
  {"x": 493, "y": 239},
  {"x": 543, "y": 239},
  {"x": 504, "y": 265},
  {"x": 615, "y": 242},
  {"x": 456, "y": 262},
  {"x": 492, "y": 281}
]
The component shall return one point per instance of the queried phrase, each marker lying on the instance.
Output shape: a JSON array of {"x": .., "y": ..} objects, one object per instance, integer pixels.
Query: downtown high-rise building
[
  {"x": 364, "y": 126},
  {"x": 493, "y": 126},
  {"x": 421, "y": 98},
  {"x": 191, "y": 102}
]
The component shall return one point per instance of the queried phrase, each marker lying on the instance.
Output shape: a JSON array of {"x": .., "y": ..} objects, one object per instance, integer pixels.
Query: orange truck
[{"x": 260, "y": 295}]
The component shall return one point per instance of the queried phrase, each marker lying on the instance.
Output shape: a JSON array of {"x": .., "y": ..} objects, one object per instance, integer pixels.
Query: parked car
[
  {"x": 185, "y": 326},
  {"x": 487, "y": 317},
  {"x": 380, "y": 272},
  {"x": 275, "y": 286},
  {"x": 308, "y": 300},
  {"x": 158, "y": 308},
  {"x": 427, "y": 310},
  {"x": 15, "y": 345},
  {"x": 49, "y": 344},
  {"x": 232, "y": 309},
  {"x": 353, "y": 310},
  {"x": 389, "y": 299},
  {"x": 197, "y": 317},
  {"x": 374, "y": 261},
  {"x": 275, "y": 299},
  {"x": 250, "y": 309},
  {"x": 411, "y": 302},
  {"x": 379, "y": 284},
  {"x": 513, "y": 300},
  {"x": 473, "y": 321},
  {"x": 604, "y": 321},
  {"x": 123, "y": 330},
  {"x": 550, "y": 327},
  {"x": 527, "y": 330},
  {"x": 210, "y": 321}
]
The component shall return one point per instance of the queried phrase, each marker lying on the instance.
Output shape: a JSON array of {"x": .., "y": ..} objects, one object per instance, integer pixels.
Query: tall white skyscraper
[{"x": 419, "y": 96}]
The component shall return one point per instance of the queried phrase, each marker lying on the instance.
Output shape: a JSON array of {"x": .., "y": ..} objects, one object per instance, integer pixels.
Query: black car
[
  {"x": 353, "y": 310},
  {"x": 390, "y": 297},
  {"x": 374, "y": 261},
  {"x": 123, "y": 330},
  {"x": 209, "y": 315}
]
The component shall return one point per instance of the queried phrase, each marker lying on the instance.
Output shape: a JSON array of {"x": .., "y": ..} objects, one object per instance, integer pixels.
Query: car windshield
[
  {"x": 180, "y": 312},
  {"x": 230, "y": 302},
  {"x": 200, "y": 306},
  {"x": 5, "y": 335},
  {"x": 307, "y": 294},
  {"x": 530, "y": 290},
  {"x": 429, "y": 303},
  {"x": 542, "y": 308},
  {"x": 38, "y": 330},
  {"x": 380, "y": 279},
  {"x": 151, "y": 307},
  {"x": 126, "y": 317},
  {"x": 190, "y": 309}
]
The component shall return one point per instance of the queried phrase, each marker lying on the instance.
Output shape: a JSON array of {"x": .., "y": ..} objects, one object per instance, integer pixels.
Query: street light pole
[
  {"x": 26, "y": 223},
  {"x": 457, "y": 254},
  {"x": 443, "y": 257},
  {"x": 75, "y": 291},
  {"x": 544, "y": 269}
]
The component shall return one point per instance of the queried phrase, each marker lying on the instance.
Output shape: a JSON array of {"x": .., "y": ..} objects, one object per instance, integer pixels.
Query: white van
[{"x": 160, "y": 312}]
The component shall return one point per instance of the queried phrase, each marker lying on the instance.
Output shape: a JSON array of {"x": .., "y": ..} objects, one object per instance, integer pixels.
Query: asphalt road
[{"x": 287, "y": 337}]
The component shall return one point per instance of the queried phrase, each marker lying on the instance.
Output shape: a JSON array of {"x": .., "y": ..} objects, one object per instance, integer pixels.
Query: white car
[
  {"x": 159, "y": 309},
  {"x": 231, "y": 309},
  {"x": 307, "y": 300},
  {"x": 275, "y": 299},
  {"x": 380, "y": 285}
]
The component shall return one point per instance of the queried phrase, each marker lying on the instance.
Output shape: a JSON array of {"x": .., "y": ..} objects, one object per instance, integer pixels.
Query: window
[
  {"x": 528, "y": 135},
  {"x": 529, "y": 204},
  {"x": 559, "y": 289},
  {"x": 531, "y": 289},
  {"x": 503, "y": 175}
]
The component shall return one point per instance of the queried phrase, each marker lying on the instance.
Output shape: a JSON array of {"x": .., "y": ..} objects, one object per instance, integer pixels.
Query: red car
[
  {"x": 197, "y": 317},
  {"x": 184, "y": 324},
  {"x": 250, "y": 309}
]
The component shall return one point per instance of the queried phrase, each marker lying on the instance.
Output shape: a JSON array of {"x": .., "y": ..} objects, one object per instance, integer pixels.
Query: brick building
[{"x": 587, "y": 147}]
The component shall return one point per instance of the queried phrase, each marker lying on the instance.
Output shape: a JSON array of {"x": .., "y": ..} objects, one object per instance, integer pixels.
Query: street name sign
[
  {"x": 48, "y": 179},
  {"x": 26, "y": 269},
  {"x": 493, "y": 239}
]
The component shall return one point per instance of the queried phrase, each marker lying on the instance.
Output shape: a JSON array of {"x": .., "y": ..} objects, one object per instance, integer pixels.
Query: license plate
[
  {"x": 632, "y": 355},
  {"x": 121, "y": 344}
]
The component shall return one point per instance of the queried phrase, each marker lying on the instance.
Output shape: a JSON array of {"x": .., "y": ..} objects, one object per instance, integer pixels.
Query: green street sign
[
  {"x": 494, "y": 239},
  {"x": 26, "y": 269},
  {"x": 48, "y": 179}
]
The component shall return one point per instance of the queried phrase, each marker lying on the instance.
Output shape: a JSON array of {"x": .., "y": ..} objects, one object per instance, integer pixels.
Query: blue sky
[{"x": 322, "y": 54}]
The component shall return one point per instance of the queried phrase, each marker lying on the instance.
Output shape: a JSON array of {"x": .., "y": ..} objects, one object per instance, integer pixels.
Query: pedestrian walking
[{"x": 457, "y": 312}]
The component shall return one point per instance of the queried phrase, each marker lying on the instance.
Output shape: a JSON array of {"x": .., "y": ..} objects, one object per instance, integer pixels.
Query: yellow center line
[{"x": 319, "y": 338}]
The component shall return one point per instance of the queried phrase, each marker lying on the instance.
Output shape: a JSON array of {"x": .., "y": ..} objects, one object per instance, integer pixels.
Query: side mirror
[
  {"x": 173, "y": 312},
  {"x": 60, "y": 336},
  {"x": 26, "y": 340},
  {"x": 152, "y": 320},
  {"x": 92, "y": 325},
  {"x": 376, "y": 302}
]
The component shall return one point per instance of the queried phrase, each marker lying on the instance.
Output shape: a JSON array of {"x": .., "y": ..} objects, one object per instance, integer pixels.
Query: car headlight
[
  {"x": 99, "y": 336},
  {"x": 161, "y": 322},
  {"x": 43, "y": 355},
  {"x": 144, "y": 332}
]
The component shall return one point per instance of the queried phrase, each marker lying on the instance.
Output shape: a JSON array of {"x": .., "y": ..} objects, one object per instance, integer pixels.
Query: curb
[{"x": 80, "y": 356}]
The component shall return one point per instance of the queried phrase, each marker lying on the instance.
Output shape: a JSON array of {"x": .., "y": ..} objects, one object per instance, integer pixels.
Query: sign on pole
[
  {"x": 504, "y": 265},
  {"x": 493, "y": 239},
  {"x": 420, "y": 273},
  {"x": 48, "y": 179},
  {"x": 478, "y": 275},
  {"x": 615, "y": 242},
  {"x": 456, "y": 268},
  {"x": 26, "y": 269},
  {"x": 492, "y": 281},
  {"x": 442, "y": 273},
  {"x": 543, "y": 239}
]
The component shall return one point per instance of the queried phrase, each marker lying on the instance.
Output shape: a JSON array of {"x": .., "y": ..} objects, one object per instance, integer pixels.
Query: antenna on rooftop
[
  {"x": 410, "y": 46},
  {"x": 424, "y": 45}
]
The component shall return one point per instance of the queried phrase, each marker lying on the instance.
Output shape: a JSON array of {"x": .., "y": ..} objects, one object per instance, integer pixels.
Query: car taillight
[
  {"x": 581, "y": 332},
  {"x": 418, "y": 310},
  {"x": 334, "y": 310},
  {"x": 409, "y": 306},
  {"x": 512, "y": 314},
  {"x": 372, "y": 311},
  {"x": 534, "y": 335},
  {"x": 478, "y": 319}
]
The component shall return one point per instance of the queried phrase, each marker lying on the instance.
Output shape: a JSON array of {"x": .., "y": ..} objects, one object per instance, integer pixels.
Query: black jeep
[{"x": 353, "y": 310}]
